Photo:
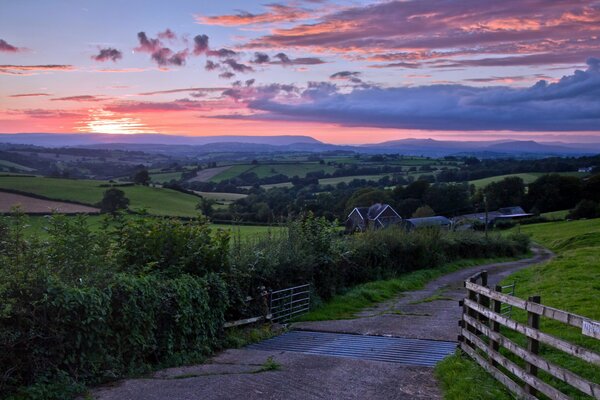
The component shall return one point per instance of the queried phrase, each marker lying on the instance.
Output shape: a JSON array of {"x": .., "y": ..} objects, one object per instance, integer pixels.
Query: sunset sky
[{"x": 339, "y": 71}]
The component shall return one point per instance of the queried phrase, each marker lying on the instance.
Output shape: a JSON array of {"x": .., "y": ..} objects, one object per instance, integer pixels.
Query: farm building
[
  {"x": 505, "y": 213},
  {"x": 427, "y": 222},
  {"x": 375, "y": 217}
]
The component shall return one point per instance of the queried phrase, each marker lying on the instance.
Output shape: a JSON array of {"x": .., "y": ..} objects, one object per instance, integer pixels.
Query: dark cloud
[
  {"x": 226, "y": 75},
  {"x": 8, "y": 48},
  {"x": 571, "y": 104},
  {"x": 32, "y": 69},
  {"x": 408, "y": 65},
  {"x": 285, "y": 60},
  {"x": 211, "y": 65},
  {"x": 163, "y": 56},
  {"x": 344, "y": 75},
  {"x": 108, "y": 54},
  {"x": 222, "y": 53},
  {"x": 200, "y": 44},
  {"x": 250, "y": 82},
  {"x": 81, "y": 98},
  {"x": 260, "y": 58},
  {"x": 29, "y": 95},
  {"x": 238, "y": 67}
]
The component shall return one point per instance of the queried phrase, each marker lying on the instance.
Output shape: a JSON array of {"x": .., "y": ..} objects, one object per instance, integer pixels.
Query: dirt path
[{"x": 431, "y": 313}]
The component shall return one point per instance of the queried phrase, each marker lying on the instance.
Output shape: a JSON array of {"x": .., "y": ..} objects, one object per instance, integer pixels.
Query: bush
[{"x": 585, "y": 209}]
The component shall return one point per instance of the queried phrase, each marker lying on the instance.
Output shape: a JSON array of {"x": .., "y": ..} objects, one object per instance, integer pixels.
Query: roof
[
  {"x": 515, "y": 210},
  {"x": 429, "y": 221},
  {"x": 373, "y": 212}
]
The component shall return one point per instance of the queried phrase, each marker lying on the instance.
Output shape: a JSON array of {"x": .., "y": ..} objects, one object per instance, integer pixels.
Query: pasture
[
  {"x": 156, "y": 201},
  {"x": 527, "y": 178}
]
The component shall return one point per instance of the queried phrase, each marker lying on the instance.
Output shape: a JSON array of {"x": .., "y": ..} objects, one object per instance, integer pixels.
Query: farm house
[{"x": 375, "y": 217}]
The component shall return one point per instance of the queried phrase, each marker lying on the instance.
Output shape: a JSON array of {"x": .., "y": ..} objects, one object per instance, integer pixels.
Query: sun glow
[{"x": 103, "y": 121}]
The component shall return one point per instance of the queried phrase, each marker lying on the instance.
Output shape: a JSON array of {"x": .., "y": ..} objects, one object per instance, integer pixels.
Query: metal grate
[
  {"x": 288, "y": 303},
  {"x": 417, "y": 352}
]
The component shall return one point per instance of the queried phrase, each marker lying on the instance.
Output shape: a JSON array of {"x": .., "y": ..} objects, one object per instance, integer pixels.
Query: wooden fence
[{"x": 481, "y": 339}]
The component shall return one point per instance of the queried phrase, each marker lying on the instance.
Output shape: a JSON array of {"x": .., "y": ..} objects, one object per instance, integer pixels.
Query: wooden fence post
[
  {"x": 533, "y": 345},
  {"x": 495, "y": 326}
]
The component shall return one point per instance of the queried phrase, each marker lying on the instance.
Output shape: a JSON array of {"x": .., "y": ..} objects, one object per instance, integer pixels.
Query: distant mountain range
[{"x": 155, "y": 143}]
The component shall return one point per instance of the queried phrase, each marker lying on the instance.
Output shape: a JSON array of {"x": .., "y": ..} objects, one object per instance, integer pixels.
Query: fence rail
[{"x": 481, "y": 339}]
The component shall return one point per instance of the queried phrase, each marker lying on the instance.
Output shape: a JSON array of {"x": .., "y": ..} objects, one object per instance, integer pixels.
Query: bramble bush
[{"x": 81, "y": 306}]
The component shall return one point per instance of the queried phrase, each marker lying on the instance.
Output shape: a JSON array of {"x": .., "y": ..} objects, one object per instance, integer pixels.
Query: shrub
[{"x": 585, "y": 209}]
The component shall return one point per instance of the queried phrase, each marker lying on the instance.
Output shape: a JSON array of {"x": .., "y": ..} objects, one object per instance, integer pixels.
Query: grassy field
[
  {"x": 157, "y": 201},
  {"x": 36, "y": 224},
  {"x": 556, "y": 215},
  {"x": 570, "y": 282},
  {"x": 164, "y": 177},
  {"x": 265, "y": 170},
  {"x": 346, "y": 179},
  {"x": 5, "y": 165},
  {"x": 527, "y": 178}
]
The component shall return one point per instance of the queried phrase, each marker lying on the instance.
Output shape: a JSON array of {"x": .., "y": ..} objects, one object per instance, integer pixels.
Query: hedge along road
[{"x": 430, "y": 313}]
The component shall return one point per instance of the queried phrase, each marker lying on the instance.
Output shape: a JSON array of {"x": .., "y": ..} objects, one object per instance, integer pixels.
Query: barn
[{"x": 428, "y": 222}]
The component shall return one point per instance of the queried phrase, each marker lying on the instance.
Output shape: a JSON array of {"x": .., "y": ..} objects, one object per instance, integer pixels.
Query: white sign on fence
[{"x": 591, "y": 328}]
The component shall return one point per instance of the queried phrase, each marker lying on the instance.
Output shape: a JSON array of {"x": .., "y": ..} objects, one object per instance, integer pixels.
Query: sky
[{"x": 339, "y": 71}]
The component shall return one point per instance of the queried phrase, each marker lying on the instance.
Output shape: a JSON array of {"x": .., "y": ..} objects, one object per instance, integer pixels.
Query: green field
[
  {"x": 570, "y": 282},
  {"x": 527, "y": 178},
  {"x": 36, "y": 224},
  {"x": 5, "y": 165},
  {"x": 346, "y": 179},
  {"x": 164, "y": 177},
  {"x": 299, "y": 169},
  {"x": 157, "y": 201}
]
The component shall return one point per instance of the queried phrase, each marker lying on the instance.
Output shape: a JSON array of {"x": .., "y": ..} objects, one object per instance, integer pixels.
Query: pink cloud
[
  {"x": 275, "y": 13},
  {"x": 423, "y": 31}
]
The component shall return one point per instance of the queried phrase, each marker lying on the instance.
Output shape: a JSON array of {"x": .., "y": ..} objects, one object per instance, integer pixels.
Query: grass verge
[
  {"x": 346, "y": 305},
  {"x": 570, "y": 282}
]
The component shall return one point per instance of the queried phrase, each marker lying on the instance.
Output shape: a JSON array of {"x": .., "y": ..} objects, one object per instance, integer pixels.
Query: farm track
[{"x": 430, "y": 313}]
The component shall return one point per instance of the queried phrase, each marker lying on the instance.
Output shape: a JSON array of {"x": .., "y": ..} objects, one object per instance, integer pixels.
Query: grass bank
[
  {"x": 570, "y": 282},
  {"x": 346, "y": 305}
]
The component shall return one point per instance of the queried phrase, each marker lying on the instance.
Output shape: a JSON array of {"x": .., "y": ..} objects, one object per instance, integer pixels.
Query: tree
[
  {"x": 585, "y": 209},
  {"x": 423, "y": 211},
  {"x": 113, "y": 201},
  {"x": 554, "y": 192},
  {"x": 142, "y": 177},
  {"x": 205, "y": 206},
  {"x": 507, "y": 192}
]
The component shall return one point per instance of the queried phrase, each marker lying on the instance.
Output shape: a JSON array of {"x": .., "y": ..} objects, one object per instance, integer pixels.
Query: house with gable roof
[{"x": 375, "y": 217}]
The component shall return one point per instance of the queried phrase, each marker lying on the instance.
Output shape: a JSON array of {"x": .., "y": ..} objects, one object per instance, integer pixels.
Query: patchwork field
[
  {"x": 527, "y": 178},
  {"x": 33, "y": 205},
  {"x": 157, "y": 201}
]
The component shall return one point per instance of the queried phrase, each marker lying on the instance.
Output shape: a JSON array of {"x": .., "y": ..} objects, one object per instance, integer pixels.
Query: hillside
[{"x": 157, "y": 201}]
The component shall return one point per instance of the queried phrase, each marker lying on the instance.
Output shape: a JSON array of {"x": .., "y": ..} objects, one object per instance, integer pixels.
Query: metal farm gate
[{"x": 287, "y": 303}]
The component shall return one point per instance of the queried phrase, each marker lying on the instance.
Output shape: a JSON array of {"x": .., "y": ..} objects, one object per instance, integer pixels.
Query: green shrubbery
[{"x": 78, "y": 306}]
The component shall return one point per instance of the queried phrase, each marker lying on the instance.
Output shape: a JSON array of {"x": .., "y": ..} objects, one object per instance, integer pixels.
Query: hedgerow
[{"x": 81, "y": 307}]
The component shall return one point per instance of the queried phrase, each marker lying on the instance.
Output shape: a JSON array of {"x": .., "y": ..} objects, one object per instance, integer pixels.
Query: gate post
[
  {"x": 495, "y": 326},
  {"x": 533, "y": 321}
]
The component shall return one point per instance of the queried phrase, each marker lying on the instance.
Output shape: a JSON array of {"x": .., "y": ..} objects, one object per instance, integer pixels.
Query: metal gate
[{"x": 290, "y": 302}]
